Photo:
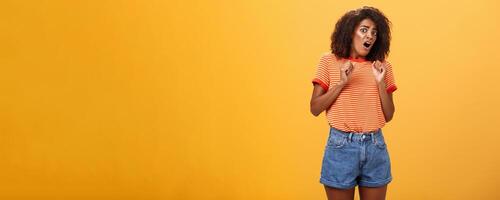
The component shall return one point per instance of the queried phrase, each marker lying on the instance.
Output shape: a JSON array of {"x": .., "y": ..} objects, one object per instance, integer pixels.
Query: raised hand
[
  {"x": 379, "y": 70},
  {"x": 346, "y": 72}
]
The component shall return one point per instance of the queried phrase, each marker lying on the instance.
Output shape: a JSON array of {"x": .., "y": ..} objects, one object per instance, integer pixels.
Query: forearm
[
  {"x": 386, "y": 101},
  {"x": 323, "y": 102}
]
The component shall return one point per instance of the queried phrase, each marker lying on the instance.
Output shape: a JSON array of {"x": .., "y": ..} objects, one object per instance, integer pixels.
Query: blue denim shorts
[{"x": 352, "y": 159}]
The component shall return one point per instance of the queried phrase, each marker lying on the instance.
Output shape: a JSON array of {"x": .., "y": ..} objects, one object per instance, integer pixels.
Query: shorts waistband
[{"x": 358, "y": 135}]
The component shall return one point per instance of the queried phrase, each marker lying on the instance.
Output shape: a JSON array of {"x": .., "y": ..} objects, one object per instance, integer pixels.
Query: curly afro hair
[{"x": 344, "y": 29}]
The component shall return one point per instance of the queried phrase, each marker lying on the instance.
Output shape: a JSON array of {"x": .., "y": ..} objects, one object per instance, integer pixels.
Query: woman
[{"x": 354, "y": 85}]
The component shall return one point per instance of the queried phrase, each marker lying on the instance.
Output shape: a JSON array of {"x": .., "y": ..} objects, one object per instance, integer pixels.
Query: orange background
[{"x": 210, "y": 99}]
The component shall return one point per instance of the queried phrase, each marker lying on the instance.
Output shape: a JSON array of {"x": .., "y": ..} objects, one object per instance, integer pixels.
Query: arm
[
  {"x": 322, "y": 100},
  {"x": 386, "y": 101},
  {"x": 379, "y": 70}
]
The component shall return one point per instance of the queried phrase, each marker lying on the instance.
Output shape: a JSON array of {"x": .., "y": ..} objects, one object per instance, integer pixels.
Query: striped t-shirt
[{"x": 358, "y": 107}]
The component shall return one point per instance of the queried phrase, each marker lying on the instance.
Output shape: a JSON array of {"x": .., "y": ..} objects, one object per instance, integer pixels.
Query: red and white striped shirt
[{"x": 358, "y": 107}]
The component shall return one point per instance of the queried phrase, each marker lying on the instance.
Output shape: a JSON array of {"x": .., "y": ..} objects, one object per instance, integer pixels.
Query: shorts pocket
[
  {"x": 380, "y": 142},
  {"x": 336, "y": 141}
]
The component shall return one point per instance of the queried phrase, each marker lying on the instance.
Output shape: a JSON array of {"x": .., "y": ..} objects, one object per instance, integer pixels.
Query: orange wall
[{"x": 210, "y": 100}]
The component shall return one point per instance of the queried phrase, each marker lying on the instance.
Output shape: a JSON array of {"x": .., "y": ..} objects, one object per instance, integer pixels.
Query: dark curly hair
[{"x": 344, "y": 29}]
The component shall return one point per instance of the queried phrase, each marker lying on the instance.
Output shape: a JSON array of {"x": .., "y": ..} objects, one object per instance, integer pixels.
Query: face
[{"x": 363, "y": 38}]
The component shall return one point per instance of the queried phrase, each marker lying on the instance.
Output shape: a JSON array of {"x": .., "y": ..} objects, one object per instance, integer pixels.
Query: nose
[{"x": 369, "y": 35}]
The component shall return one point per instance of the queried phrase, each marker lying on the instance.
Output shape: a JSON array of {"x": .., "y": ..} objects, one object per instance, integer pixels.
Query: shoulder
[
  {"x": 326, "y": 56},
  {"x": 329, "y": 57},
  {"x": 387, "y": 63}
]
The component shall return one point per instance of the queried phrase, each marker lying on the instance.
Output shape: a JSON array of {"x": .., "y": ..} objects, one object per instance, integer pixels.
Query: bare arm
[
  {"x": 386, "y": 100},
  {"x": 379, "y": 70},
  {"x": 322, "y": 100}
]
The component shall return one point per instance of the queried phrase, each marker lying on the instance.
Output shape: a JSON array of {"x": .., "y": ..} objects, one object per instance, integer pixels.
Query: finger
[
  {"x": 346, "y": 65},
  {"x": 380, "y": 65},
  {"x": 351, "y": 68},
  {"x": 376, "y": 69}
]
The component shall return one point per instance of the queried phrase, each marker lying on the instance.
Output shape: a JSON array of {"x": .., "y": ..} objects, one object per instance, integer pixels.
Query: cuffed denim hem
[
  {"x": 335, "y": 184},
  {"x": 375, "y": 184}
]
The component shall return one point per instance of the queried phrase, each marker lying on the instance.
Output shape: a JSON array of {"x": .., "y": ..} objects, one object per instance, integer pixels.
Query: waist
[{"x": 364, "y": 134}]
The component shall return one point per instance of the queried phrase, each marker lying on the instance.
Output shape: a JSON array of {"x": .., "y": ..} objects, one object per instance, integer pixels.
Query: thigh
[
  {"x": 339, "y": 194},
  {"x": 372, "y": 193}
]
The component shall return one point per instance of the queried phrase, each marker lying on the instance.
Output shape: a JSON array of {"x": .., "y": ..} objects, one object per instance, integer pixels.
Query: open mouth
[{"x": 367, "y": 45}]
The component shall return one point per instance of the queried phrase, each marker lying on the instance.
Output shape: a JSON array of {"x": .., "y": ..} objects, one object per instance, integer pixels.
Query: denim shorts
[{"x": 352, "y": 159}]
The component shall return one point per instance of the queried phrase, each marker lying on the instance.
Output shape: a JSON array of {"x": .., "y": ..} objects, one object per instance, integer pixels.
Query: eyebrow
[{"x": 367, "y": 26}]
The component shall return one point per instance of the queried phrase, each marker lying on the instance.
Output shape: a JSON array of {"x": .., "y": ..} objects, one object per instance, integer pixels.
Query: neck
[{"x": 355, "y": 56}]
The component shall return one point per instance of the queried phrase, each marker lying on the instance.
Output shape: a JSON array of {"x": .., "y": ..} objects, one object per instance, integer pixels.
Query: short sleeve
[
  {"x": 322, "y": 76},
  {"x": 389, "y": 79}
]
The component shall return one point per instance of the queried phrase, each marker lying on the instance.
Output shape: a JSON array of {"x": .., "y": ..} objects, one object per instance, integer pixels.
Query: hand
[
  {"x": 345, "y": 72},
  {"x": 379, "y": 70}
]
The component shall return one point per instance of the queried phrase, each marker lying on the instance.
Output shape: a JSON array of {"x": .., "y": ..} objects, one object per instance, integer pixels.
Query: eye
[
  {"x": 364, "y": 30},
  {"x": 374, "y": 33}
]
